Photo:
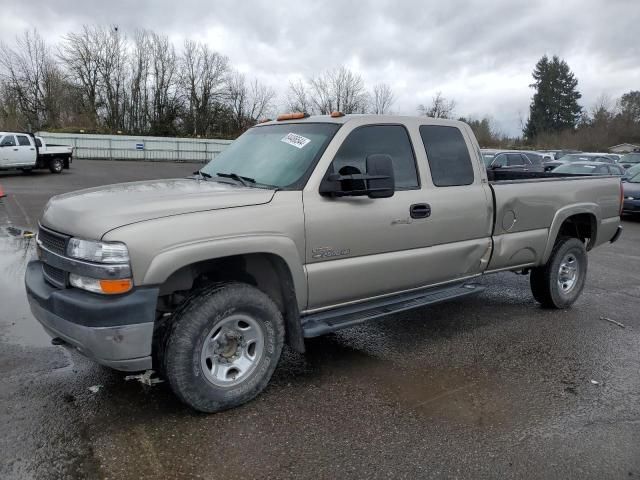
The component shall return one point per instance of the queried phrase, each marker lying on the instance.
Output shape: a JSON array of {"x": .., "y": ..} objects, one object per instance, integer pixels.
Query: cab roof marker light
[
  {"x": 292, "y": 116},
  {"x": 337, "y": 114}
]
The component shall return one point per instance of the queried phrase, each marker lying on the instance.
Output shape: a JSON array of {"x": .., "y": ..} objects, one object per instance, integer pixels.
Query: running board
[{"x": 317, "y": 324}]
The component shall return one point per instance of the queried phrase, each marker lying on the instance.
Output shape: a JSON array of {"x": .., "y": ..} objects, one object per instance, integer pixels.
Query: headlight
[{"x": 99, "y": 252}]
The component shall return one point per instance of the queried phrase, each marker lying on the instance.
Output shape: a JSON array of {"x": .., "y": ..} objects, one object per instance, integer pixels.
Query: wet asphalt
[{"x": 490, "y": 386}]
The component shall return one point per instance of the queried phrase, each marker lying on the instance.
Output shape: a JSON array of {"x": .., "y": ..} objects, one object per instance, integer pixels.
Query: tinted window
[
  {"x": 534, "y": 158},
  {"x": 38, "y": 142},
  {"x": 392, "y": 140},
  {"x": 515, "y": 159},
  {"x": 8, "y": 141},
  {"x": 448, "y": 155},
  {"x": 24, "y": 141}
]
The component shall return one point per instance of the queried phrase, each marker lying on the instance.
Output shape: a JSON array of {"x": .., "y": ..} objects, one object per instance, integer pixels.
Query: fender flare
[
  {"x": 172, "y": 259},
  {"x": 561, "y": 215}
]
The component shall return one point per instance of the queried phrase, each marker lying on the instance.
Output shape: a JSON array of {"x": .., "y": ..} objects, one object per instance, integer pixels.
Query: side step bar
[{"x": 317, "y": 324}]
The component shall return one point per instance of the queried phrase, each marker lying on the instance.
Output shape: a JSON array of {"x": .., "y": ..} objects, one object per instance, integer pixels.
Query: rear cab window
[{"x": 447, "y": 155}]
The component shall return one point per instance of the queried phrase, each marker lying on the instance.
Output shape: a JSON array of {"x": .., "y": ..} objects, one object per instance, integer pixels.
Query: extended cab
[
  {"x": 303, "y": 226},
  {"x": 25, "y": 152}
]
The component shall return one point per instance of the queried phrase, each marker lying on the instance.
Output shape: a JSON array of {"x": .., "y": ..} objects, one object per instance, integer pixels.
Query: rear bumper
[
  {"x": 616, "y": 235},
  {"x": 113, "y": 331}
]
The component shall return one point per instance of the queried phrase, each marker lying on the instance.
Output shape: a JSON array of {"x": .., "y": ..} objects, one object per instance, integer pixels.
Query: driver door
[
  {"x": 358, "y": 247},
  {"x": 9, "y": 152}
]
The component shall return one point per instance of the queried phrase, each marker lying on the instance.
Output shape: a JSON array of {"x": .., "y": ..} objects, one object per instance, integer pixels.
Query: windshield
[
  {"x": 582, "y": 169},
  {"x": 274, "y": 155},
  {"x": 635, "y": 179},
  {"x": 581, "y": 157},
  {"x": 632, "y": 171},
  {"x": 630, "y": 158}
]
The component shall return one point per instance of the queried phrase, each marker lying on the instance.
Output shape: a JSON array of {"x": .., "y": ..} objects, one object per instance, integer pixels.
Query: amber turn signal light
[
  {"x": 337, "y": 114},
  {"x": 114, "y": 287},
  {"x": 292, "y": 116}
]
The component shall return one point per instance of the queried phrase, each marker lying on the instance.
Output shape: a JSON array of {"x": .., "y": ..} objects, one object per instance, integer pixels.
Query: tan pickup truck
[{"x": 303, "y": 226}]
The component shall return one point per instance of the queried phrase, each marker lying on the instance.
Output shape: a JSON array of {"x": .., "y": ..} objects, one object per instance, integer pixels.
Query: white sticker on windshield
[{"x": 297, "y": 141}]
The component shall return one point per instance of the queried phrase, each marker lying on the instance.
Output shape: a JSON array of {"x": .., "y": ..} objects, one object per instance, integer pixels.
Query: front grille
[
  {"x": 55, "y": 276},
  {"x": 53, "y": 241}
]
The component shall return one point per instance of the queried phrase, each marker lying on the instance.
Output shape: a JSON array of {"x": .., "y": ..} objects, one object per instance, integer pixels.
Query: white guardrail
[{"x": 129, "y": 147}]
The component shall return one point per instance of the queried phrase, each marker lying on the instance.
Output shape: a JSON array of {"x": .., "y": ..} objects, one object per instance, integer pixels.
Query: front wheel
[
  {"x": 559, "y": 282},
  {"x": 222, "y": 347},
  {"x": 56, "y": 165}
]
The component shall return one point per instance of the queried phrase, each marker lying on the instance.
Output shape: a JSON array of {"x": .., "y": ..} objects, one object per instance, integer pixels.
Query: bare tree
[
  {"x": 381, "y": 99},
  {"x": 137, "y": 119},
  {"x": 31, "y": 77},
  {"x": 164, "y": 80},
  {"x": 248, "y": 102},
  {"x": 202, "y": 81},
  {"x": 440, "y": 107},
  {"x": 79, "y": 53},
  {"x": 298, "y": 98},
  {"x": 339, "y": 89}
]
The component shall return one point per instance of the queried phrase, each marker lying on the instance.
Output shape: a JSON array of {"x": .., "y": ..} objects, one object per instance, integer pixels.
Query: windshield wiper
[
  {"x": 202, "y": 174},
  {"x": 245, "y": 181}
]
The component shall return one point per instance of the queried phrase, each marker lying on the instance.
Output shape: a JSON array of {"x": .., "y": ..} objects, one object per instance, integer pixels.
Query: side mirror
[
  {"x": 382, "y": 180},
  {"x": 377, "y": 182},
  {"x": 495, "y": 166}
]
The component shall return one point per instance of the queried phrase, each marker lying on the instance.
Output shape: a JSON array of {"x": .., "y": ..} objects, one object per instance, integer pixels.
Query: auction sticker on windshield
[{"x": 297, "y": 141}]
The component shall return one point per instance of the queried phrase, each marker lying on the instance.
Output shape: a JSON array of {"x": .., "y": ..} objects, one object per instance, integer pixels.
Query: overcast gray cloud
[{"x": 479, "y": 53}]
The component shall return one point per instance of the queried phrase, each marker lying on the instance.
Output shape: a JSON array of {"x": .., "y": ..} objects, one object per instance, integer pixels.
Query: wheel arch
[
  {"x": 269, "y": 271},
  {"x": 577, "y": 221}
]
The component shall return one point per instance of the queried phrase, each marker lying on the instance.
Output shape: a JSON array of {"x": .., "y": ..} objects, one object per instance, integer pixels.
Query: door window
[
  {"x": 8, "y": 141},
  {"x": 392, "y": 140},
  {"x": 500, "y": 161},
  {"x": 515, "y": 160},
  {"x": 23, "y": 141}
]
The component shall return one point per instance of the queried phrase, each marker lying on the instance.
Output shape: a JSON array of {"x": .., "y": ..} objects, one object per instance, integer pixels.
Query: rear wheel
[
  {"x": 559, "y": 282},
  {"x": 222, "y": 347},
  {"x": 56, "y": 165}
]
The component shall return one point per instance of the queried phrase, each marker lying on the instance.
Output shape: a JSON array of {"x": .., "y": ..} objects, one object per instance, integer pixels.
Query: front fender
[{"x": 172, "y": 259}]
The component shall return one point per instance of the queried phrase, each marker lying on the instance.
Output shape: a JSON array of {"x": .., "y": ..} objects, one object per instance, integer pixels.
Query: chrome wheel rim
[
  {"x": 568, "y": 273},
  {"x": 232, "y": 350}
]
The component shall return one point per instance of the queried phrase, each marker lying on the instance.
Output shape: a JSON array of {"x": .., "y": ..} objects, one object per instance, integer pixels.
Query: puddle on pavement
[
  {"x": 465, "y": 396},
  {"x": 17, "y": 325}
]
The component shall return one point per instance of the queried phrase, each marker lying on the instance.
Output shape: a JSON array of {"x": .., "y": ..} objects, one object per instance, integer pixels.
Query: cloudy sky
[{"x": 479, "y": 53}]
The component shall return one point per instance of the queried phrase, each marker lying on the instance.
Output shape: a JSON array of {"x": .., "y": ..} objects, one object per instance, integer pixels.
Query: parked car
[
  {"x": 513, "y": 160},
  {"x": 590, "y": 168},
  {"x": 301, "y": 227},
  {"x": 25, "y": 152},
  {"x": 629, "y": 160},
  {"x": 630, "y": 172},
  {"x": 577, "y": 157},
  {"x": 631, "y": 192}
]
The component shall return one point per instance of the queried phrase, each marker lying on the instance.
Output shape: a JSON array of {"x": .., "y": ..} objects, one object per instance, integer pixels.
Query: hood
[
  {"x": 93, "y": 212},
  {"x": 631, "y": 189}
]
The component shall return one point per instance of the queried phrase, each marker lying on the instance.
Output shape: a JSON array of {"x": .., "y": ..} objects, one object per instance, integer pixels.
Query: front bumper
[{"x": 113, "y": 331}]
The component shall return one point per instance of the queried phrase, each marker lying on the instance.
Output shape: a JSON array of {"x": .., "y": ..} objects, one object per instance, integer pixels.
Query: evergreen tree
[{"x": 555, "y": 104}]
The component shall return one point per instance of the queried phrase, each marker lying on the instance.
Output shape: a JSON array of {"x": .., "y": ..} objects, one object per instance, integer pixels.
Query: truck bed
[{"x": 529, "y": 209}]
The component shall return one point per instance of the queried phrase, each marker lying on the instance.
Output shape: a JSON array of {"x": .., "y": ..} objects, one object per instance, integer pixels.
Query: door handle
[
  {"x": 15, "y": 149},
  {"x": 420, "y": 210}
]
